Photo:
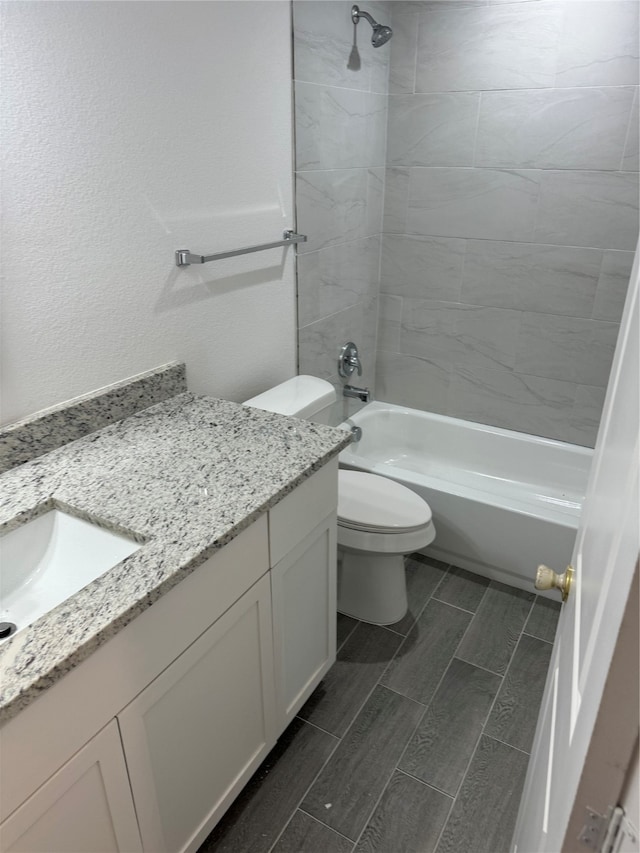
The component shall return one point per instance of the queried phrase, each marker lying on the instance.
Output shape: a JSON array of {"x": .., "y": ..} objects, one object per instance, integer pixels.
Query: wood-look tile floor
[{"x": 418, "y": 739}]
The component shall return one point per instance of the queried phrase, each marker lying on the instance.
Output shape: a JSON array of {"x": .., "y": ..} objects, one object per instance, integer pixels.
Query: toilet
[{"x": 379, "y": 520}]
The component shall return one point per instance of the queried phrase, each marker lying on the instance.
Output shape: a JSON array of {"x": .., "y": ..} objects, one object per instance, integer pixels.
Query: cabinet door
[
  {"x": 197, "y": 733},
  {"x": 303, "y": 590},
  {"x": 86, "y": 807}
]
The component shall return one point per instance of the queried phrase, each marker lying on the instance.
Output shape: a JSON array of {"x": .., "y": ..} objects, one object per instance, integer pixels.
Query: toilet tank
[{"x": 305, "y": 397}]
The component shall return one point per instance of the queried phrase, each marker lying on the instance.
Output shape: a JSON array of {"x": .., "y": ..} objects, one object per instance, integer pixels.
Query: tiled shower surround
[
  {"x": 341, "y": 126},
  {"x": 510, "y": 212}
]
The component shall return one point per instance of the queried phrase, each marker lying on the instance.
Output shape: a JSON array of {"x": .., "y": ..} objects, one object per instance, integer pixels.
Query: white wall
[{"x": 132, "y": 129}]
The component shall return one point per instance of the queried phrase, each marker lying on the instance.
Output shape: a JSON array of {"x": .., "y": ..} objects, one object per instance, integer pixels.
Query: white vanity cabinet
[
  {"x": 198, "y": 732},
  {"x": 86, "y": 807},
  {"x": 201, "y": 685}
]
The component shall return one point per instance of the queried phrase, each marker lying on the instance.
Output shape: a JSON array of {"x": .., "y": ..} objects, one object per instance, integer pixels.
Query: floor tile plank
[
  {"x": 515, "y": 713},
  {"x": 344, "y": 628},
  {"x": 361, "y": 661},
  {"x": 305, "y": 835},
  {"x": 348, "y": 788},
  {"x": 462, "y": 589},
  {"x": 496, "y": 627},
  {"x": 426, "y": 652},
  {"x": 484, "y": 815},
  {"x": 265, "y": 805},
  {"x": 408, "y": 818},
  {"x": 440, "y": 750},
  {"x": 423, "y": 577},
  {"x": 543, "y": 619}
]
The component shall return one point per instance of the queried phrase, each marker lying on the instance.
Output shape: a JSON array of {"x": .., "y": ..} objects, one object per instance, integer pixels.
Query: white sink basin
[{"x": 49, "y": 559}]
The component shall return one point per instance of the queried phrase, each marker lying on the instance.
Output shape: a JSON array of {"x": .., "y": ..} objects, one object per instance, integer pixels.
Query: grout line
[
  {"x": 404, "y": 696},
  {"x": 628, "y": 133},
  {"x": 504, "y": 743},
  {"x": 326, "y": 825},
  {"x": 357, "y": 622},
  {"x": 375, "y": 806},
  {"x": 477, "y": 666},
  {"x": 506, "y": 672},
  {"x": 319, "y": 728},
  {"x": 528, "y": 243},
  {"x": 535, "y": 637},
  {"x": 312, "y": 783},
  {"x": 422, "y": 782},
  {"x": 455, "y": 606}
]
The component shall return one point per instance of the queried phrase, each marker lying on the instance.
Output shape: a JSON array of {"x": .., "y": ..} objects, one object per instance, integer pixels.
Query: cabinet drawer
[{"x": 295, "y": 517}]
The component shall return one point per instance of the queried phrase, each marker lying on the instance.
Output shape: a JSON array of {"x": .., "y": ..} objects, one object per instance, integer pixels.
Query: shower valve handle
[{"x": 348, "y": 360}]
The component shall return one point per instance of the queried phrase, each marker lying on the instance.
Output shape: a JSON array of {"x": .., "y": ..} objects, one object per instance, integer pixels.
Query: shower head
[{"x": 381, "y": 34}]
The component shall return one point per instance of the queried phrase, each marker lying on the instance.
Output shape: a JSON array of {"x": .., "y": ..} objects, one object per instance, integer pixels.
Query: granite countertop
[{"x": 184, "y": 477}]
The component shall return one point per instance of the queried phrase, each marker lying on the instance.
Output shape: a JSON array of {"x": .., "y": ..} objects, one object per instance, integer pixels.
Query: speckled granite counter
[{"x": 184, "y": 476}]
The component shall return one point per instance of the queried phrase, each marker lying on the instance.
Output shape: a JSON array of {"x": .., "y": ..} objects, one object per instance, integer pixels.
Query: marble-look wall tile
[
  {"x": 630, "y": 157},
  {"x": 554, "y": 128},
  {"x": 612, "y": 286},
  {"x": 390, "y": 315},
  {"x": 490, "y": 204},
  {"x": 584, "y": 419},
  {"x": 531, "y": 277},
  {"x": 319, "y": 343},
  {"x": 432, "y": 130},
  {"x": 567, "y": 348},
  {"x": 599, "y": 43},
  {"x": 598, "y": 209},
  {"x": 487, "y": 47},
  {"x": 375, "y": 201},
  {"x": 447, "y": 333},
  {"x": 427, "y": 267},
  {"x": 513, "y": 401},
  {"x": 402, "y": 63},
  {"x": 411, "y": 381},
  {"x": 337, "y": 277},
  {"x": 339, "y": 128},
  {"x": 337, "y": 206},
  {"x": 396, "y": 195},
  {"x": 330, "y": 50}
]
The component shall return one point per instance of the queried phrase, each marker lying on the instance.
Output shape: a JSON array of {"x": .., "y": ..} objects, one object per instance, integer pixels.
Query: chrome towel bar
[{"x": 184, "y": 257}]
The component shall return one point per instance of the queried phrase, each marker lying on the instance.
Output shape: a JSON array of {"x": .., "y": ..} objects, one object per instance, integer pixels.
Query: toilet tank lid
[{"x": 300, "y": 396}]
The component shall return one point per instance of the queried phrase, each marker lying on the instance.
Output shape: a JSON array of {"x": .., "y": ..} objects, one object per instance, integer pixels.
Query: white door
[{"x": 604, "y": 558}]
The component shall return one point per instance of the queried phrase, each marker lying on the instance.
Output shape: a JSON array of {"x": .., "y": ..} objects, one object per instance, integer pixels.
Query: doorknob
[{"x": 546, "y": 578}]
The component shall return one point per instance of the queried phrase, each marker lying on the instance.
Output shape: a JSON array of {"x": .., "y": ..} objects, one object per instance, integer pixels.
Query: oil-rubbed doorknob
[{"x": 546, "y": 578}]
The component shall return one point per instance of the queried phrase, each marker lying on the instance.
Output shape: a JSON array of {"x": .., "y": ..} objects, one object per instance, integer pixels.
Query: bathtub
[{"x": 502, "y": 501}]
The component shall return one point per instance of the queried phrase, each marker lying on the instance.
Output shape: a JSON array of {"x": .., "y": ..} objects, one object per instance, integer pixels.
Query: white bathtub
[{"x": 502, "y": 501}]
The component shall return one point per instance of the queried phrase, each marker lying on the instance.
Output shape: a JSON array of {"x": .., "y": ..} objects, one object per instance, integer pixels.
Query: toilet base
[{"x": 372, "y": 587}]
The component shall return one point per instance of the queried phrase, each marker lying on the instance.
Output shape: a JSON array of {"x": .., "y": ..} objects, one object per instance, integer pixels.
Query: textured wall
[
  {"x": 341, "y": 120},
  {"x": 510, "y": 209},
  {"x": 131, "y": 130}
]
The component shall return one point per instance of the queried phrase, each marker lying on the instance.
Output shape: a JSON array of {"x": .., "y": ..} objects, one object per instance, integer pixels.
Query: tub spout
[{"x": 358, "y": 393}]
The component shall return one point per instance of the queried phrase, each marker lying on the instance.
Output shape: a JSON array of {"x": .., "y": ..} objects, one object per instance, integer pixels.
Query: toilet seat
[{"x": 373, "y": 504}]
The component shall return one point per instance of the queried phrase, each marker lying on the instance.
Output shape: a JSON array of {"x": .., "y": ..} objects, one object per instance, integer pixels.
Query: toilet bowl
[{"x": 379, "y": 520}]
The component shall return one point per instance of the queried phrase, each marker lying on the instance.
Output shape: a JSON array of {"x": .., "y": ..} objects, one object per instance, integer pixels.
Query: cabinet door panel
[
  {"x": 196, "y": 734},
  {"x": 303, "y": 589},
  {"x": 86, "y": 807},
  {"x": 296, "y": 515}
]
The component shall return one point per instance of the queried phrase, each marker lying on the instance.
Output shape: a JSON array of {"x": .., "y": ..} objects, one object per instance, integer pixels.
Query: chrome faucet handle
[{"x": 348, "y": 360}]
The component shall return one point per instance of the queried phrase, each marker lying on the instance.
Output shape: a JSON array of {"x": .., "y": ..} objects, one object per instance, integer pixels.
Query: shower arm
[{"x": 357, "y": 13}]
